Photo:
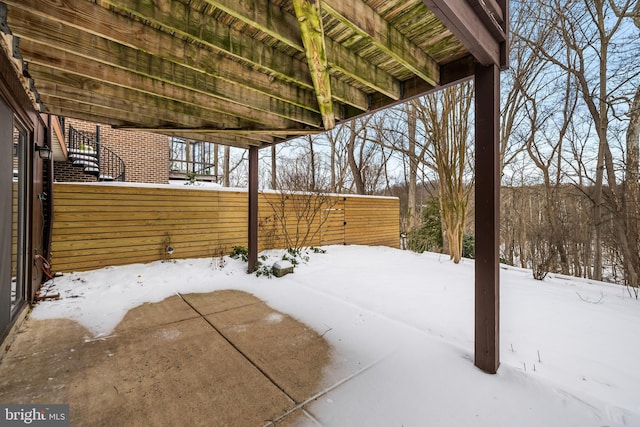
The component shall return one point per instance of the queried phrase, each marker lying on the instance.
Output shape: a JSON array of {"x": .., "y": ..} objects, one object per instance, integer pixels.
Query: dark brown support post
[
  {"x": 487, "y": 218},
  {"x": 253, "y": 209}
]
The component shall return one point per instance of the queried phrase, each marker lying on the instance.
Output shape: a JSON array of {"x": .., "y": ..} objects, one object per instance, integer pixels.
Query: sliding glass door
[
  {"x": 14, "y": 183},
  {"x": 19, "y": 144}
]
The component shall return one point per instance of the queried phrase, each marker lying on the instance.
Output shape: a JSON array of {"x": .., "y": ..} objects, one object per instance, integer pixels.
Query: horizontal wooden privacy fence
[{"x": 98, "y": 225}]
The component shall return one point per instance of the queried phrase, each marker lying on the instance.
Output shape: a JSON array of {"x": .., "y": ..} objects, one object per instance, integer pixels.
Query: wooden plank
[
  {"x": 146, "y": 108},
  {"x": 82, "y": 108},
  {"x": 368, "y": 24},
  {"x": 130, "y": 200},
  {"x": 101, "y": 208},
  {"x": 124, "y": 216},
  {"x": 218, "y": 38},
  {"x": 158, "y": 245},
  {"x": 171, "y": 82},
  {"x": 71, "y": 193},
  {"x": 127, "y": 203},
  {"x": 460, "y": 18},
  {"x": 492, "y": 16},
  {"x": 183, "y": 106},
  {"x": 69, "y": 227},
  {"x": 97, "y": 227},
  {"x": 353, "y": 66},
  {"x": 204, "y": 28},
  {"x": 92, "y": 263},
  {"x": 177, "y": 83},
  {"x": 136, "y": 66},
  {"x": 131, "y": 232},
  {"x": 108, "y": 245},
  {"x": 310, "y": 23},
  {"x": 366, "y": 232},
  {"x": 157, "y": 249},
  {"x": 273, "y": 20},
  {"x": 155, "y": 191}
]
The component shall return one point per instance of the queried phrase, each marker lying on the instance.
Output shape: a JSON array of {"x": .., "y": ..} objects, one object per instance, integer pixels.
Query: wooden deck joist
[{"x": 222, "y": 64}]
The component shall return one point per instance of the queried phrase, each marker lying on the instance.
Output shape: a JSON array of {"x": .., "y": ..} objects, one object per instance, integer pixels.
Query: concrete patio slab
[
  {"x": 166, "y": 365},
  {"x": 219, "y": 301},
  {"x": 293, "y": 357},
  {"x": 171, "y": 310}
]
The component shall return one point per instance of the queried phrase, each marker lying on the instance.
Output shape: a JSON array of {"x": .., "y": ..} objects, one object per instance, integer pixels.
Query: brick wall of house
[
  {"x": 145, "y": 154},
  {"x": 66, "y": 172}
]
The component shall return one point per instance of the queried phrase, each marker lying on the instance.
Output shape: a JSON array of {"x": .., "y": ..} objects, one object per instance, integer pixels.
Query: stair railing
[{"x": 88, "y": 145}]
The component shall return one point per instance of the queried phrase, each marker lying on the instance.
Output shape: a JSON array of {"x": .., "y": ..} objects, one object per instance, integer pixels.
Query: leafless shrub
[{"x": 297, "y": 208}]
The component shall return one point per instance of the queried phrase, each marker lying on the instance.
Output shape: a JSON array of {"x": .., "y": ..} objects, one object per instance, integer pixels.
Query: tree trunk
[
  {"x": 274, "y": 176},
  {"x": 412, "y": 218},
  {"x": 602, "y": 124},
  {"x": 351, "y": 158},
  {"x": 312, "y": 159},
  {"x": 226, "y": 166},
  {"x": 216, "y": 170},
  {"x": 446, "y": 118},
  {"x": 333, "y": 164},
  {"x": 632, "y": 192}
]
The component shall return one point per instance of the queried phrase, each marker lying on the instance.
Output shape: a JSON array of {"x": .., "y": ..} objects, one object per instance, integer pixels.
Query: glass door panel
[{"x": 17, "y": 221}]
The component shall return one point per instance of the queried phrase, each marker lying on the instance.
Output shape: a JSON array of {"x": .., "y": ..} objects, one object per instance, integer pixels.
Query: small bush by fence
[{"x": 96, "y": 226}]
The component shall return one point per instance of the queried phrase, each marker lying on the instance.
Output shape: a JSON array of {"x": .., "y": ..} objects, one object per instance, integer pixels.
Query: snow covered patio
[
  {"x": 221, "y": 358},
  {"x": 381, "y": 337}
]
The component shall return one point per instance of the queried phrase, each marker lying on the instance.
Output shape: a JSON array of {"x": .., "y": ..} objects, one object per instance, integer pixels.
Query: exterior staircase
[{"x": 85, "y": 151}]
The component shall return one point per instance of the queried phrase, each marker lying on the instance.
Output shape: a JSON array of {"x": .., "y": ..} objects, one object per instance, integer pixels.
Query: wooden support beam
[
  {"x": 273, "y": 20},
  {"x": 261, "y": 136},
  {"x": 506, "y": 26},
  {"x": 310, "y": 23},
  {"x": 142, "y": 73},
  {"x": 487, "y": 218},
  {"x": 253, "y": 210},
  {"x": 364, "y": 21},
  {"x": 349, "y": 95},
  {"x": 265, "y": 16},
  {"x": 357, "y": 68},
  {"x": 163, "y": 56},
  {"x": 142, "y": 104},
  {"x": 239, "y": 141},
  {"x": 213, "y": 37},
  {"x": 491, "y": 15},
  {"x": 463, "y": 21},
  {"x": 182, "y": 20}
]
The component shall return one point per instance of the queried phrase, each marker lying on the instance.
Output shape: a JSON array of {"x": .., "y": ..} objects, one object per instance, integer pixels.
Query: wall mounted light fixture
[{"x": 44, "y": 152}]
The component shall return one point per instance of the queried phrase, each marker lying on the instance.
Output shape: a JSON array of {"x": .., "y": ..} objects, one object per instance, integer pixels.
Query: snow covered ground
[{"x": 402, "y": 328}]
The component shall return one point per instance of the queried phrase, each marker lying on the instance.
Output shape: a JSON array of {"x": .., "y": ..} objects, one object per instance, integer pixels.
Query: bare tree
[
  {"x": 299, "y": 208},
  {"x": 398, "y": 134},
  {"x": 366, "y": 156},
  {"x": 521, "y": 80},
  {"x": 412, "y": 215},
  {"x": 583, "y": 35},
  {"x": 444, "y": 121},
  {"x": 234, "y": 167}
]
